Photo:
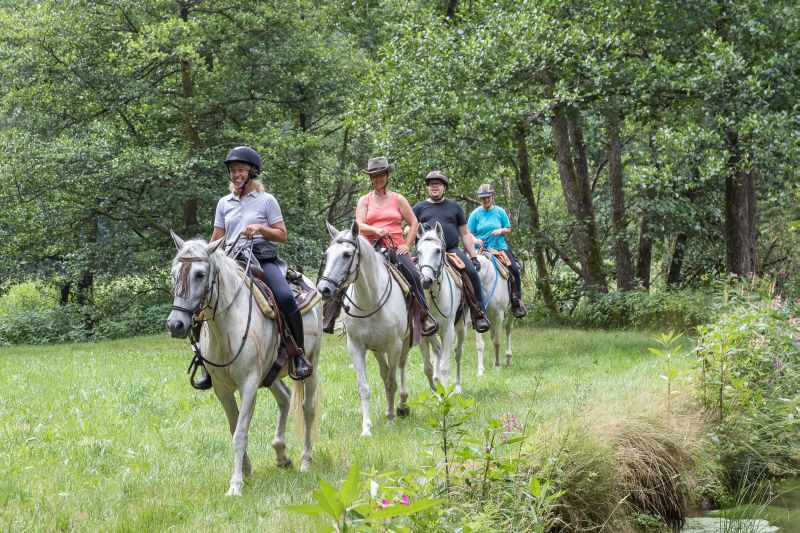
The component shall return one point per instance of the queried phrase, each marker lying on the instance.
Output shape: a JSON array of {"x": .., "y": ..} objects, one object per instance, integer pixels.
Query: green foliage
[
  {"x": 668, "y": 347},
  {"x": 28, "y": 296},
  {"x": 676, "y": 310},
  {"x": 747, "y": 369}
]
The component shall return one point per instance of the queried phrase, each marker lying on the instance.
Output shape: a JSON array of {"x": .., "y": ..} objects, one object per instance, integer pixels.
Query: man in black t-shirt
[{"x": 454, "y": 225}]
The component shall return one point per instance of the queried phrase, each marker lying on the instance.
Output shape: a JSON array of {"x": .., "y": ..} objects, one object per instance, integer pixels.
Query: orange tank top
[{"x": 387, "y": 217}]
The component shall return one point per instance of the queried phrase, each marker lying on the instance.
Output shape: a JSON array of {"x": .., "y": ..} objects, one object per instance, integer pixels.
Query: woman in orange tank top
[{"x": 380, "y": 215}]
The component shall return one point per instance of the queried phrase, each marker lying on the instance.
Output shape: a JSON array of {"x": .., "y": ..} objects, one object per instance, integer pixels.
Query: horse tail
[{"x": 296, "y": 408}]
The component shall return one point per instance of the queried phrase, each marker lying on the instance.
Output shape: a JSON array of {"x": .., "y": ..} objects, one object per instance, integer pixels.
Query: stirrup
[{"x": 305, "y": 370}]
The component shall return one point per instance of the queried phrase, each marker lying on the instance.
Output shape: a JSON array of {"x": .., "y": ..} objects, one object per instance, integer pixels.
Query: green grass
[{"x": 109, "y": 436}]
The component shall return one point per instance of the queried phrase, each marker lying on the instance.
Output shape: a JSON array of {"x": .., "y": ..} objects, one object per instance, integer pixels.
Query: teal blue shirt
[{"x": 483, "y": 222}]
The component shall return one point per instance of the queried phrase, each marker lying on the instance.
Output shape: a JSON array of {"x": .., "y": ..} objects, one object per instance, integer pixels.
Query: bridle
[
  {"x": 343, "y": 284},
  {"x": 212, "y": 286},
  {"x": 437, "y": 276}
]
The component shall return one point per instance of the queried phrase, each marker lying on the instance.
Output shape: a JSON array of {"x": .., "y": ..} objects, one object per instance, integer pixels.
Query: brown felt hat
[{"x": 378, "y": 165}]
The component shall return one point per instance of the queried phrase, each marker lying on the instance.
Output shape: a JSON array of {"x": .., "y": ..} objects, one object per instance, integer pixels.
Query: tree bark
[
  {"x": 740, "y": 213},
  {"x": 615, "y": 180},
  {"x": 526, "y": 188},
  {"x": 676, "y": 263},
  {"x": 192, "y": 137},
  {"x": 570, "y": 155}
]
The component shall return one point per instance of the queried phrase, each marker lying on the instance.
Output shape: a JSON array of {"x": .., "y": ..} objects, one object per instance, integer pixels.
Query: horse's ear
[
  {"x": 178, "y": 241},
  {"x": 354, "y": 229},
  {"x": 439, "y": 230},
  {"x": 333, "y": 231},
  {"x": 212, "y": 247},
  {"x": 420, "y": 231}
]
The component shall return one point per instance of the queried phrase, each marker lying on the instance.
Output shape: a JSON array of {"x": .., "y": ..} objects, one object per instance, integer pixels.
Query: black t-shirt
[{"x": 447, "y": 213}]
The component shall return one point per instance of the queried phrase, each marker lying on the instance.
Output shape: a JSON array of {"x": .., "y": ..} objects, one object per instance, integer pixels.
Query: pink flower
[
  {"x": 385, "y": 503},
  {"x": 404, "y": 500}
]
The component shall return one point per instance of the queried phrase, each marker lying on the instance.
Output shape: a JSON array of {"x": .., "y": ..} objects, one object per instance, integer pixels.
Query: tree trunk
[
  {"x": 526, "y": 188},
  {"x": 676, "y": 263},
  {"x": 615, "y": 180},
  {"x": 572, "y": 170},
  {"x": 740, "y": 213},
  {"x": 192, "y": 137}
]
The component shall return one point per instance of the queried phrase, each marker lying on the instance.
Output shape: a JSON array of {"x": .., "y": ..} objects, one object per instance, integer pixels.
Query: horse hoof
[
  {"x": 366, "y": 433},
  {"x": 234, "y": 491},
  {"x": 457, "y": 389},
  {"x": 305, "y": 466},
  {"x": 404, "y": 411},
  {"x": 481, "y": 370},
  {"x": 285, "y": 464}
]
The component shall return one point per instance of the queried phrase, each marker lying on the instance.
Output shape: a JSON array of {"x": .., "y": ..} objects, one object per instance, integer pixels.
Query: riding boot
[
  {"x": 428, "y": 324},
  {"x": 204, "y": 383},
  {"x": 517, "y": 307},
  {"x": 330, "y": 312},
  {"x": 479, "y": 321},
  {"x": 302, "y": 366}
]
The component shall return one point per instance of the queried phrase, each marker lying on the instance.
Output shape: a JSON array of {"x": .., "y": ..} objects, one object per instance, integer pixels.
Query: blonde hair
[{"x": 254, "y": 184}]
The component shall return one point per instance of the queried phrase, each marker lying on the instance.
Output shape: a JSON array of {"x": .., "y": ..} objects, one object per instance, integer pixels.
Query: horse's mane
[{"x": 196, "y": 248}]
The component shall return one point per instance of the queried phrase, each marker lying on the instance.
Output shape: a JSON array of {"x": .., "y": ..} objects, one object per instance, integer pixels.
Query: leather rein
[
  {"x": 213, "y": 286},
  {"x": 343, "y": 284},
  {"x": 437, "y": 275}
]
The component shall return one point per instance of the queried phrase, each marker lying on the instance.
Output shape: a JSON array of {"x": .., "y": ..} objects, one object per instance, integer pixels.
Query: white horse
[
  {"x": 240, "y": 344},
  {"x": 498, "y": 305},
  {"x": 444, "y": 299},
  {"x": 376, "y": 319}
]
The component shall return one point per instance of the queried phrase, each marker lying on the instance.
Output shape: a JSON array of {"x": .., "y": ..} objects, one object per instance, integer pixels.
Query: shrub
[
  {"x": 747, "y": 368},
  {"x": 677, "y": 310},
  {"x": 50, "y": 326}
]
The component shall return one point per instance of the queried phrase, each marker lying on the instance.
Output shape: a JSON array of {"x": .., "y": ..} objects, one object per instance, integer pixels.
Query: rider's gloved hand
[{"x": 476, "y": 263}]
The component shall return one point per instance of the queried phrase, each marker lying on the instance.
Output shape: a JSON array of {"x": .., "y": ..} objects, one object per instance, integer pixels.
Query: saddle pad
[
  {"x": 399, "y": 278},
  {"x": 267, "y": 309},
  {"x": 500, "y": 266},
  {"x": 501, "y": 256},
  {"x": 456, "y": 277},
  {"x": 454, "y": 260}
]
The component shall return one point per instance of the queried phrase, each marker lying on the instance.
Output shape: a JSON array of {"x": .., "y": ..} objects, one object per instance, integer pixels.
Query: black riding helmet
[{"x": 245, "y": 154}]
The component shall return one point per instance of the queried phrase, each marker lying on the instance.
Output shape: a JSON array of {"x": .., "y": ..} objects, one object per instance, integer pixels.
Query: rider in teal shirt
[{"x": 490, "y": 225}]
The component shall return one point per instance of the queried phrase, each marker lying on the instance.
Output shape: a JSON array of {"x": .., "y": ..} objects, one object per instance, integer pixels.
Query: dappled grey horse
[
  {"x": 375, "y": 315},
  {"x": 498, "y": 306},
  {"x": 240, "y": 344},
  {"x": 444, "y": 297}
]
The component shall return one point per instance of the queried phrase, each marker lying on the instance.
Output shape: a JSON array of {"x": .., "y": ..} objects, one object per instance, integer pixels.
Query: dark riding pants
[
  {"x": 279, "y": 286},
  {"x": 474, "y": 278},
  {"x": 411, "y": 273},
  {"x": 514, "y": 268}
]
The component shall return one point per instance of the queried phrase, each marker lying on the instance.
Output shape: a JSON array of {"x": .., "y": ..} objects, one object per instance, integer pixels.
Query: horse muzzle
[
  {"x": 327, "y": 290},
  {"x": 178, "y": 326},
  {"x": 427, "y": 283}
]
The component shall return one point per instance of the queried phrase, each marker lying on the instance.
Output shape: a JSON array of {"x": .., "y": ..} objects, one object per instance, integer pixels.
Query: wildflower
[
  {"x": 778, "y": 363},
  {"x": 385, "y": 503},
  {"x": 404, "y": 500}
]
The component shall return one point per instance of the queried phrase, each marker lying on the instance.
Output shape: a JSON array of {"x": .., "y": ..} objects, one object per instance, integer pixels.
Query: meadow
[{"x": 110, "y": 436}]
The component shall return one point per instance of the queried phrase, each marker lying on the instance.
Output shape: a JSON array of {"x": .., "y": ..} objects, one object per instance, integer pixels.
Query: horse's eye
[
  {"x": 348, "y": 254},
  {"x": 200, "y": 275},
  {"x": 438, "y": 250}
]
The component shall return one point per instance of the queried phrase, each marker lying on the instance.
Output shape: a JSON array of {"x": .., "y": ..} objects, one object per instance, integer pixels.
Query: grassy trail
[{"x": 109, "y": 436}]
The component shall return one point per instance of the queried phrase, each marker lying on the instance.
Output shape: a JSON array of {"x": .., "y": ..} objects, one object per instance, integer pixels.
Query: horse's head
[
  {"x": 193, "y": 273},
  {"x": 342, "y": 259},
  {"x": 430, "y": 254}
]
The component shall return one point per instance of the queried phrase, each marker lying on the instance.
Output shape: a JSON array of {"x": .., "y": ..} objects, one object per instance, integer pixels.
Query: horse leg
[
  {"x": 495, "y": 334},
  {"x": 388, "y": 366},
  {"x": 283, "y": 398},
  {"x": 444, "y": 356},
  {"x": 308, "y": 388},
  {"x": 357, "y": 357},
  {"x": 459, "y": 351},
  {"x": 228, "y": 401},
  {"x": 508, "y": 325},
  {"x": 248, "y": 392},
  {"x": 479, "y": 347},
  {"x": 425, "y": 349},
  {"x": 403, "y": 410}
]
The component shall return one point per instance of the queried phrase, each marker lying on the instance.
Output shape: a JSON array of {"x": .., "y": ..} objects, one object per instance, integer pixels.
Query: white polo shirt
[{"x": 233, "y": 215}]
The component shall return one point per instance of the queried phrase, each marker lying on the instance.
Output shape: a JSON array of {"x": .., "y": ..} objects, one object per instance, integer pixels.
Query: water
[{"x": 781, "y": 515}]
